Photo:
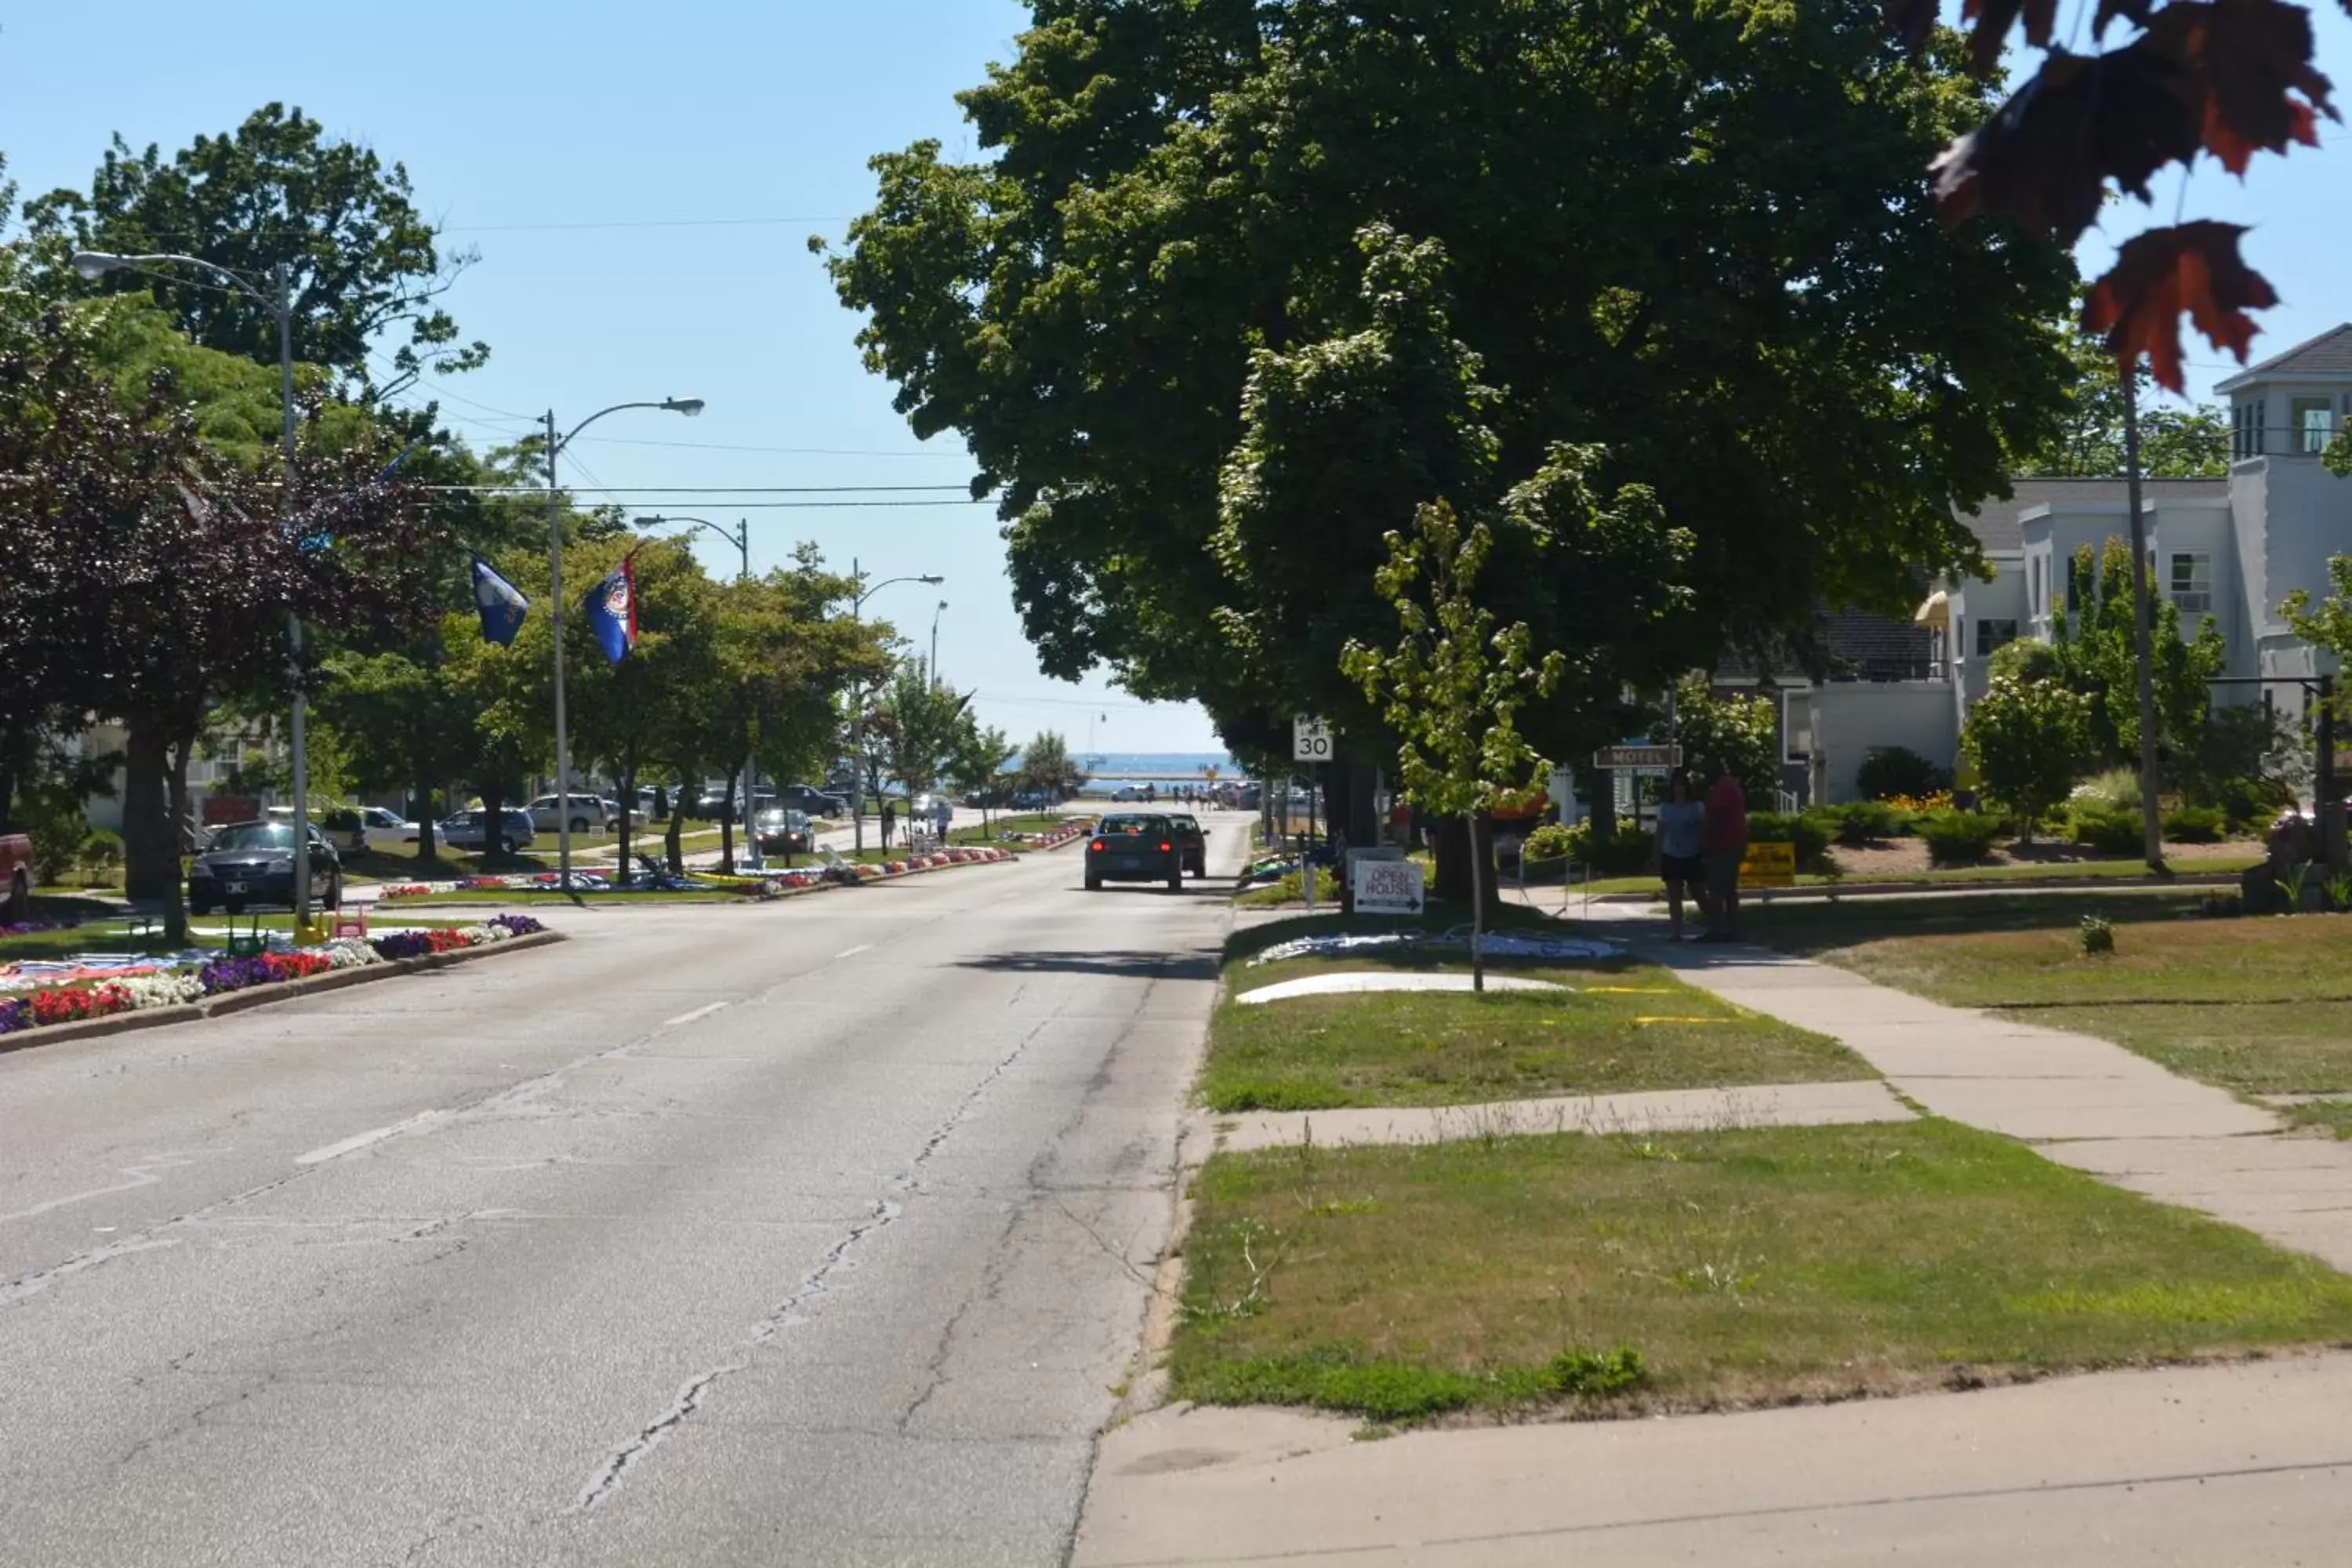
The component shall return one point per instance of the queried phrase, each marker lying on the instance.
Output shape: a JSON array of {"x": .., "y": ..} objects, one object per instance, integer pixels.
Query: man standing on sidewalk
[{"x": 1723, "y": 844}]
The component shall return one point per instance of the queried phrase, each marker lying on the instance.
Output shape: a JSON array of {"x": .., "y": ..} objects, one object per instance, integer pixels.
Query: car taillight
[
  {"x": 1164, "y": 848},
  {"x": 1097, "y": 846}
]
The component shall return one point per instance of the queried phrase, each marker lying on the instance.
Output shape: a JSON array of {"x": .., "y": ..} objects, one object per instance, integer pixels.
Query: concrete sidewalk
[
  {"x": 2203, "y": 1466},
  {"x": 1655, "y": 1111},
  {"x": 2084, "y": 1103}
]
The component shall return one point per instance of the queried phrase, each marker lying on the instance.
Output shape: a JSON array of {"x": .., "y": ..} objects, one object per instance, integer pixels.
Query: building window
[
  {"x": 2193, "y": 582},
  {"x": 1796, "y": 726},
  {"x": 2246, "y": 428},
  {"x": 2037, "y": 599},
  {"x": 2312, "y": 422},
  {"x": 1991, "y": 635}
]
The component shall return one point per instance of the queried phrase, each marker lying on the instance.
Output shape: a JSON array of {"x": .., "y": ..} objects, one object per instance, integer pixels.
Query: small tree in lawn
[
  {"x": 2027, "y": 740},
  {"x": 1453, "y": 687}
]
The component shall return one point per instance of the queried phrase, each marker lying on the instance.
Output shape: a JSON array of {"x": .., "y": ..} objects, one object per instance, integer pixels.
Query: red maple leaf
[
  {"x": 2251, "y": 57},
  {"x": 2191, "y": 266},
  {"x": 1993, "y": 19},
  {"x": 2045, "y": 155}
]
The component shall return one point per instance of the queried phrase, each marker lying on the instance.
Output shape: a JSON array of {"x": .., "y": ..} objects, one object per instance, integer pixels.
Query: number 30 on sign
[{"x": 1310, "y": 739}]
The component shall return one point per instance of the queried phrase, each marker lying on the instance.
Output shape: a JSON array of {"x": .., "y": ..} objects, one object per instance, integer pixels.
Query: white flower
[{"x": 162, "y": 990}]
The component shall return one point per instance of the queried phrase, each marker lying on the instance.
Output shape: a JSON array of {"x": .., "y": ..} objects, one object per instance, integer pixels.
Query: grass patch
[
  {"x": 2257, "y": 1005},
  {"x": 1700, "y": 1271},
  {"x": 1625, "y": 1027},
  {"x": 1973, "y": 876}
]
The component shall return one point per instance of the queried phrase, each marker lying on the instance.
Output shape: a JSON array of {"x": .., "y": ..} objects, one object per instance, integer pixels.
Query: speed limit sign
[{"x": 1310, "y": 739}]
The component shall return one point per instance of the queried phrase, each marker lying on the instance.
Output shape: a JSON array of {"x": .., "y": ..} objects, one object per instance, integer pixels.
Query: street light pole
[
  {"x": 741, "y": 540},
  {"x": 280, "y": 299},
  {"x": 933, "y": 668},
  {"x": 857, "y": 714},
  {"x": 690, "y": 406}
]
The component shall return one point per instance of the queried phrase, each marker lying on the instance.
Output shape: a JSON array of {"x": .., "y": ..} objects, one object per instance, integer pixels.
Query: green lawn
[
  {"x": 1624, "y": 1026},
  {"x": 1629, "y": 1274},
  {"x": 2256, "y": 1004},
  {"x": 1968, "y": 876}
]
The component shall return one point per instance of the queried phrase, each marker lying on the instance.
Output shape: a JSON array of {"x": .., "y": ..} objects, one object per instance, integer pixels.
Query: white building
[{"x": 2231, "y": 549}]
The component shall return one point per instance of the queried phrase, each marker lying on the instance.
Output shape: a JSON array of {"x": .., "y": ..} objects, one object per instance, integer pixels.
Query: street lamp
[
  {"x": 690, "y": 406},
  {"x": 278, "y": 296},
  {"x": 741, "y": 540},
  {"x": 857, "y": 720},
  {"x": 933, "y": 668}
]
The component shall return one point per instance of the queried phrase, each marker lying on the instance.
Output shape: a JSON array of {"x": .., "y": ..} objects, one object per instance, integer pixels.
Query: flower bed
[
  {"x": 69, "y": 1003},
  {"x": 1077, "y": 827}
]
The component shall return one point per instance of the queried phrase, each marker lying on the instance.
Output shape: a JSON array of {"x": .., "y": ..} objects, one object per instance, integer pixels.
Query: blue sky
[{"x": 640, "y": 181}]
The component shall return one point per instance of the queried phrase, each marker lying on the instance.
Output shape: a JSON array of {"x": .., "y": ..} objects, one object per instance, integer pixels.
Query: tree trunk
[
  {"x": 493, "y": 824},
  {"x": 674, "y": 851},
  {"x": 727, "y": 824},
  {"x": 2143, "y": 628},
  {"x": 1480, "y": 876},
  {"x": 175, "y": 794},
  {"x": 151, "y": 839}
]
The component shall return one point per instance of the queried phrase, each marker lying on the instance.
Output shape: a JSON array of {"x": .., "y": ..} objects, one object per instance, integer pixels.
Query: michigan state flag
[
  {"x": 612, "y": 610},
  {"x": 500, "y": 602}
]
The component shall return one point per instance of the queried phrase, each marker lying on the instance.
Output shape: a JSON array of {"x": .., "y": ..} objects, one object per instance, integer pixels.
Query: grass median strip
[
  {"x": 1627, "y": 1274},
  {"x": 1612, "y": 1028}
]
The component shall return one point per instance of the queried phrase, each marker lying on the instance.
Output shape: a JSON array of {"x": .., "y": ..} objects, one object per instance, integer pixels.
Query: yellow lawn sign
[{"x": 1768, "y": 865}]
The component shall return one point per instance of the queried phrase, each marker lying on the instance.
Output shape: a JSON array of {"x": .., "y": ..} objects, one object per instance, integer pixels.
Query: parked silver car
[{"x": 469, "y": 830}]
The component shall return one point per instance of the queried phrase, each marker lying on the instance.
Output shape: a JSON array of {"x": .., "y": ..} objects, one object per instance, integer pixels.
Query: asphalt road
[{"x": 812, "y": 1233}]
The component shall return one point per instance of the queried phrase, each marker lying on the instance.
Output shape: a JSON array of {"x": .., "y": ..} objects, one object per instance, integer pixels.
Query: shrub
[
  {"x": 1867, "y": 822},
  {"x": 2025, "y": 741},
  {"x": 1550, "y": 842},
  {"x": 2246, "y": 801},
  {"x": 2193, "y": 825},
  {"x": 1623, "y": 853},
  {"x": 101, "y": 852},
  {"x": 2117, "y": 789},
  {"x": 1890, "y": 771},
  {"x": 1955, "y": 838},
  {"x": 1811, "y": 839},
  {"x": 2029, "y": 659},
  {"x": 2107, "y": 831},
  {"x": 2096, "y": 936}
]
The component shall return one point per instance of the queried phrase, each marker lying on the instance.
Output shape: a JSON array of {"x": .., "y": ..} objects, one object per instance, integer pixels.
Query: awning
[{"x": 1935, "y": 612}]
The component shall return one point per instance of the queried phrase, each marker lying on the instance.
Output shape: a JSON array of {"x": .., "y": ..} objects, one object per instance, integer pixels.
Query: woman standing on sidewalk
[{"x": 1682, "y": 823}]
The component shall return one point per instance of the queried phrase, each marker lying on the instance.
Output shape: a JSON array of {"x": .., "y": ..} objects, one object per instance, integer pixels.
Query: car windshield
[
  {"x": 255, "y": 835},
  {"x": 1186, "y": 824},
  {"x": 1133, "y": 825}
]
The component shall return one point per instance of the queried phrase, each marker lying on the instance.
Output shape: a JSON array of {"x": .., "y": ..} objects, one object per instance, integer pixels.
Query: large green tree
[
  {"x": 367, "y": 265},
  {"x": 1693, "y": 239}
]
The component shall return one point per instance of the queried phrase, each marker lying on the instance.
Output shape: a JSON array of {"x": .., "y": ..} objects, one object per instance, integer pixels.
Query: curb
[{"x": 263, "y": 996}]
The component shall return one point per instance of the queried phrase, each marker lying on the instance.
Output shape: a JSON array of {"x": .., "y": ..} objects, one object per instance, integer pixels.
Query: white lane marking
[
  {"x": 690, "y": 1017},
  {"x": 359, "y": 1141},
  {"x": 854, "y": 951}
]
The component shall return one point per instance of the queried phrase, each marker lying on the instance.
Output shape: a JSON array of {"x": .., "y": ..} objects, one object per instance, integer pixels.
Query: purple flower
[
  {"x": 515, "y": 925},
  {"x": 15, "y": 1016},
  {"x": 403, "y": 944},
  {"x": 233, "y": 974}
]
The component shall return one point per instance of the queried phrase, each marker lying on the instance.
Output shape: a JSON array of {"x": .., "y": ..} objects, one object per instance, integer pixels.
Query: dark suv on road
[{"x": 1128, "y": 846}]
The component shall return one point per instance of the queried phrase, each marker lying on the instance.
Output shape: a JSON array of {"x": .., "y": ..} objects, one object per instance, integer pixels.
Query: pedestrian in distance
[
  {"x": 1723, "y": 844},
  {"x": 889, "y": 820},
  {"x": 942, "y": 814},
  {"x": 1682, "y": 827}
]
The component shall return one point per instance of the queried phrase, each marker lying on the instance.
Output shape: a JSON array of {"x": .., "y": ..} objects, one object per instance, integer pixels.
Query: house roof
[
  {"x": 2329, "y": 355},
  {"x": 1852, "y": 644},
  {"x": 1995, "y": 522}
]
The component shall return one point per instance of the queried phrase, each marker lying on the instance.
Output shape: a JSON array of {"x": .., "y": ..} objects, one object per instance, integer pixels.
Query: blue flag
[
  {"x": 612, "y": 611},
  {"x": 500, "y": 602}
]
